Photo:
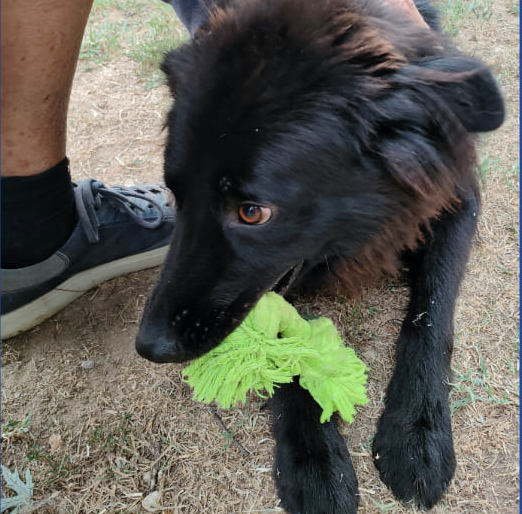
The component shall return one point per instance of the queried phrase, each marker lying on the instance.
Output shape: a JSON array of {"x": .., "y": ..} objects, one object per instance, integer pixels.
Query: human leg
[
  {"x": 59, "y": 238},
  {"x": 40, "y": 45}
]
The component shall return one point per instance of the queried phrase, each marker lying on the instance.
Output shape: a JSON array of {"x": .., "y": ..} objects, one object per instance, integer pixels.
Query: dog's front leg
[
  {"x": 413, "y": 446},
  {"x": 312, "y": 469}
]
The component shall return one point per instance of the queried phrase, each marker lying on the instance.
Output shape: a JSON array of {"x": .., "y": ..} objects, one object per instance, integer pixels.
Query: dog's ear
[
  {"x": 192, "y": 13},
  {"x": 468, "y": 88},
  {"x": 195, "y": 14}
]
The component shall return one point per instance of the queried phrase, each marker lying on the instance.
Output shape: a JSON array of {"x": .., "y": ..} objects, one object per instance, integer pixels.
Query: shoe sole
[{"x": 26, "y": 317}]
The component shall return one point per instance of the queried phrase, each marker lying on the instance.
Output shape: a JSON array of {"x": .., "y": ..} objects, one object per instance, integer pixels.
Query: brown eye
[{"x": 254, "y": 214}]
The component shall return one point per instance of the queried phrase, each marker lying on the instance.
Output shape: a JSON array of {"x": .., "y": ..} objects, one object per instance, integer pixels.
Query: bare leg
[{"x": 40, "y": 44}]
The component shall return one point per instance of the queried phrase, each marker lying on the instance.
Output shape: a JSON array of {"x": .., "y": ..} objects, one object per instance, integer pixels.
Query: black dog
[{"x": 324, "y": 140}]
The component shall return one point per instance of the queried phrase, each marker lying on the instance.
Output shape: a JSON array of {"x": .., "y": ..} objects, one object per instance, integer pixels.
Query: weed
[
  {"x": 365, "y": 446},
  {"x": 151, "y": 42},
  {"x": 488, "y": 165},
  {"x": 144, "y": 36},
  {"x": 14, "y": 429},
  {"x": 229, "y": 435},
  {"x": 33, "y": 453},
  {"x": 101, "y": 41},
  {"x": 60, "y": 466},
  {"x": 384, "y": 507},
  {"x": 107, "y": 441},
  {"x": 471, "y": 387},
  {"x": 482, "y": 9},
  {"x": 24, "y": 491},
  {"x": 453, "y": 11},
  {"x": 514, "y": 365}
]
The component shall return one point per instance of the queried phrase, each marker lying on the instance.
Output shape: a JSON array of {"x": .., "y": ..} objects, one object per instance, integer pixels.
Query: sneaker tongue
[{"x": 85, "y": 207}]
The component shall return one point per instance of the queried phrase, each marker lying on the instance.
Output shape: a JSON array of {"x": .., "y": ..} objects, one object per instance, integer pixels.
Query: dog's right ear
[
  {"x": 192, "y": 13},
  {"x": 468, "y": 88}
]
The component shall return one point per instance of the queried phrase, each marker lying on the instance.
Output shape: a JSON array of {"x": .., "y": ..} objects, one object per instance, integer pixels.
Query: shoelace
[{"x": 89, "y": 196}]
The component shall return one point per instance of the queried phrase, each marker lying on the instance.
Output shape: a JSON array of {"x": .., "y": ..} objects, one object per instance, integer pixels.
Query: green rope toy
[{"x": 272, "y": 346}]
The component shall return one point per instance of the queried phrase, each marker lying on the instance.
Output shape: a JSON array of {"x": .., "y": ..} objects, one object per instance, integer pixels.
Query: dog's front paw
[
  {"x": 316, "y": 482},
  {"x": 414, "y": 455}
]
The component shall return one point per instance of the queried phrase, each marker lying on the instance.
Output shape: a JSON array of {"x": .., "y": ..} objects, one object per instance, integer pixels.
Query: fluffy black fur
[{"x": 351, "y": 125}]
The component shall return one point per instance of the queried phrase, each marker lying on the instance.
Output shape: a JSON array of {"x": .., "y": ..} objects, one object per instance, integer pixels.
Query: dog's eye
[{"x": 254, "y": 214}]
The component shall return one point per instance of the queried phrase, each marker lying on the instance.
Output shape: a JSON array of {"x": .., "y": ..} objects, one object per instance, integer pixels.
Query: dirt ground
[{"x": 105, "y": 428}]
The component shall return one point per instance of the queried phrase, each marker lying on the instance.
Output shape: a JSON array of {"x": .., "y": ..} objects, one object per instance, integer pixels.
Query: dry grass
[{"x": 100, "y": 439}]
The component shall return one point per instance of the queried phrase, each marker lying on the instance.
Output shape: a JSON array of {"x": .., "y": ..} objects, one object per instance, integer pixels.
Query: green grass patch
[
  {"x": 454, "y": 11},
  {"x": 148, "y": 46},
  {"x": 14, "y": 429},
  {"x": 138, "y": 29},
  {"x": 101, "y": 42},
  {"x": 488, "y": 165},
  {"x": 107, "y": 441},
  {"x": 474, "y": 386}
]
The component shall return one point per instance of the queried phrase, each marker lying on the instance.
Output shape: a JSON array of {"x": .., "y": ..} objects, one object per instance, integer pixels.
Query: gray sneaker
[{"x": 119, "y": 230}]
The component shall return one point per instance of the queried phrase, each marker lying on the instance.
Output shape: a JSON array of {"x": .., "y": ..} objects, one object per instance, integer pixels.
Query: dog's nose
[{"x": 155, "y": 346}]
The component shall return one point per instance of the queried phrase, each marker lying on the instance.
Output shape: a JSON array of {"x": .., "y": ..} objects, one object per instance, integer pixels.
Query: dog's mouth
[
  {"x": 193, "y": 336},
  {"x": 287, "y": 279}
]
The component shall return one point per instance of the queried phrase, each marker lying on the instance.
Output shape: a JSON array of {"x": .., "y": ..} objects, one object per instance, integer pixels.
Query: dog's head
[{"x": 303, "y": 132}]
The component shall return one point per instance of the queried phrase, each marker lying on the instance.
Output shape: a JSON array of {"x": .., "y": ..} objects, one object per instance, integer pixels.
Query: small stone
[
  {"x": 145, "y": 478},
  {"x": 88, "y": 364},
  {"x": 152, "y": 502}
]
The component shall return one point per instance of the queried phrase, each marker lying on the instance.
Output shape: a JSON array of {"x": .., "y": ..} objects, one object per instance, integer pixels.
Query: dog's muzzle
[{"x": 156, "y": 346}]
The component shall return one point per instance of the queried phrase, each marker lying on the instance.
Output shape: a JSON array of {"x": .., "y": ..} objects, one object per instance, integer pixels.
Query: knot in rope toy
[{"x": 272, "y": 346}]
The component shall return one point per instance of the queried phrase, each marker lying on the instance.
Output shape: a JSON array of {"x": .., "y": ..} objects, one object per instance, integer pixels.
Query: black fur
[
  {"x": 352, "y": 125},
  {"x": 312, "y": 468}
]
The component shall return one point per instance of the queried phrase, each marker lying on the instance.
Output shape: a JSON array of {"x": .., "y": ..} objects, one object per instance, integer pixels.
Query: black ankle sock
[{"x": 38, "y": 215}]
